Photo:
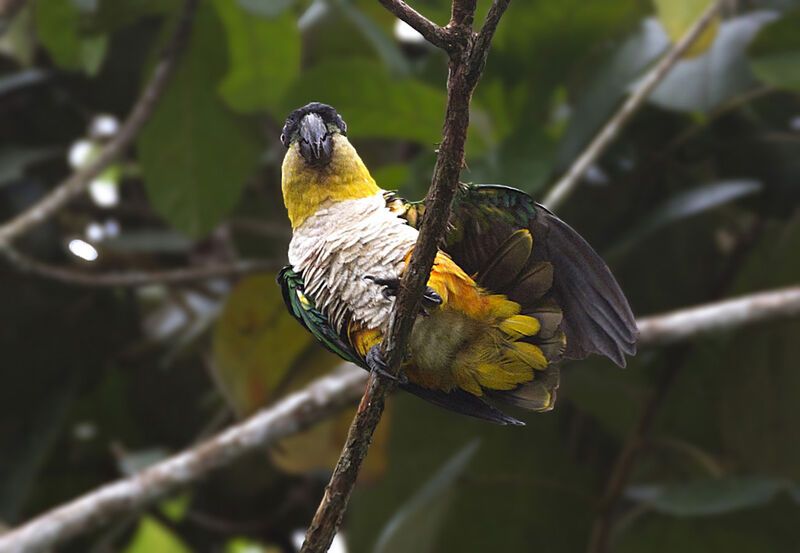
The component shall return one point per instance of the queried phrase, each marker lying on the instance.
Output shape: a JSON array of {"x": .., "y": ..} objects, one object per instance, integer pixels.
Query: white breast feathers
[{"x": 340, "y": 244}]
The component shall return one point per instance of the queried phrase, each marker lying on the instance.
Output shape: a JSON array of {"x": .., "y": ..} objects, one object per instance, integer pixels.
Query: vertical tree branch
[
  {"x": 467, "y": 57},
  {"x": 566, "y": 185}
]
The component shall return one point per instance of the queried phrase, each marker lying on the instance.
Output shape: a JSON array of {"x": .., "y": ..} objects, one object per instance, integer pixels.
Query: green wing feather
[{"x": 304, "y": 310}]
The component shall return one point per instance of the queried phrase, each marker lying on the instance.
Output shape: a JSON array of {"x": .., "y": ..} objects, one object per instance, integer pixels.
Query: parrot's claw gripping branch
[
  {"x": 378, "y": 365},
  {"x": 430, "y": 299},
  {"x": 467, "y": 51}
]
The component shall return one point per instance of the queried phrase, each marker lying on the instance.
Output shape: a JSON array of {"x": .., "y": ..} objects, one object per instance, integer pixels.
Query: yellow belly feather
[{"x": 472, "y": 341}]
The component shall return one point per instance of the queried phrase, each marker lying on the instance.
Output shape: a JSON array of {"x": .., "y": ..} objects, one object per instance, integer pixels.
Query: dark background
[{"x": 696, "y": 201}]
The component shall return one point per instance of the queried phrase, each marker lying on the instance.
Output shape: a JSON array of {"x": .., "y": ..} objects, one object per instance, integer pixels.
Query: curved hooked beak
[{"x": 316, "y": 143}]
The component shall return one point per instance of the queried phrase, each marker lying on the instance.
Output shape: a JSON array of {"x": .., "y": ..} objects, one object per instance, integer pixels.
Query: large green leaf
[
  {"x": 264, "y": 57},
  {"x": 775, "y": 53},
  {"x": 371, "y": 102},
  {"x": 58, "y": 24},
  {"x": 195, "y": 155}
]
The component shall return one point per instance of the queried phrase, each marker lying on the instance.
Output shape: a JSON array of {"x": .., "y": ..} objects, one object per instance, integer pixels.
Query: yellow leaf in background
[
  {"x": 678, "y": 16},
  {"x": 260, "y": 353},
  {"x": 256, "y": 343}
]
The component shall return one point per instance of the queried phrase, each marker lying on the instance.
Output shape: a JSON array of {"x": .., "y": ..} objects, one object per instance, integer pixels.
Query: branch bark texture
[
  {"x": 141, "y": 112},
  {"x": 567, "y": 184},
  {"x": 467, "y": 56},
  {"x": 321, "y": 399}
]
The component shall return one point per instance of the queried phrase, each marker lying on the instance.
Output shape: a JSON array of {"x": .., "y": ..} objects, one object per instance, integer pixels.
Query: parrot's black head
[{"x": 312, "y": 127}]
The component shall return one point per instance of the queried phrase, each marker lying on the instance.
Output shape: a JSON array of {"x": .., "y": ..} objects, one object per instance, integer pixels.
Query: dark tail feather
[
  {"x": 597, "y": 317},
  {"x": 464, "y": 403}
]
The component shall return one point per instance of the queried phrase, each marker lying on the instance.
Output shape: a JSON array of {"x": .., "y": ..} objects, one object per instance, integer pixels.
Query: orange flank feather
[{"x": 472, "y": 341}]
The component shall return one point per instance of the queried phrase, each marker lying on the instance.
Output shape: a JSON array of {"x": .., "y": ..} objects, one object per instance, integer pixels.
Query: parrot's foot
[
  {"x": 377, "y": 364},
  {"x": 430, "y": 298}
]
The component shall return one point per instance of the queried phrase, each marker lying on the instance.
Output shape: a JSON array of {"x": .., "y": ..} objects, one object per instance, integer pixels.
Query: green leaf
[
  {"x": 265, "y": 8},
  {"x": 58, "y": 24},
  {"x": 709, "y": 497},
  {"x": 195, "y": 154},
  {"x": 775, "y": 53},
  {"x": 371, "y": 102},
  {"x": 416, "y": 524},
  {"x": 264, "y": 58},
  {"x": 175, "y": 508},
  {"x": 152, "y": 536}
]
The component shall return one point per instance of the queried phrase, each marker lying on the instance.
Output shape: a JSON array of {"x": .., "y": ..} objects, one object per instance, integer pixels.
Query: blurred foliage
[{"x": 696, "y": 200}]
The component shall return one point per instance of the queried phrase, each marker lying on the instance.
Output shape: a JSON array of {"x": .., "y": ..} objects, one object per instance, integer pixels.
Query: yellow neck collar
[{"x": 305, "y": 188}]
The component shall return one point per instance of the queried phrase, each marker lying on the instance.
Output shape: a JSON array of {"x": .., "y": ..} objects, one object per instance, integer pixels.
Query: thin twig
[
  {"x": 134, "y": 278},
  {"x": 432, "y": 32},
  {"x": 460, "y": 85},
  {"x": 565, "y": 186},
  {"x": 319, "y": 400},
  {"x": 141, "y": 112},
  {"x": 291, "y": 415},
  {"x": 484, "y": 37}
]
